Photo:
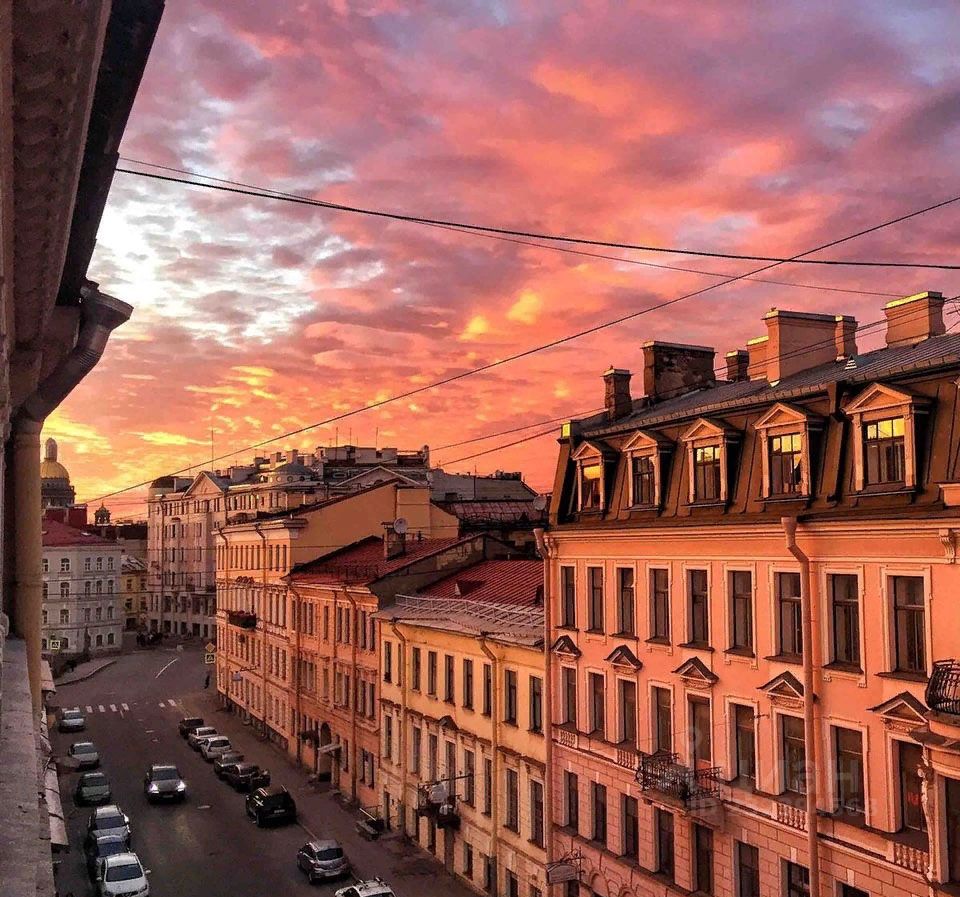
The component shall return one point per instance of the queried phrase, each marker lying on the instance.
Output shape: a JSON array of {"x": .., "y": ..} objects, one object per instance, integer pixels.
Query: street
[{"x": 207, "y": 845}]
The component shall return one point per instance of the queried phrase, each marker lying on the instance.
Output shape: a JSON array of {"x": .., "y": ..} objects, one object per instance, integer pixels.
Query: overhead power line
[
  {"x": 540, "y": 348},
  {"x": 560, "y": 238}
]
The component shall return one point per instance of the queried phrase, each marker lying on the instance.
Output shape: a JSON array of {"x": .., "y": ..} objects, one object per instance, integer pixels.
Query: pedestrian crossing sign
[
  {"x": 54, "y": 644},
  {"x": 210, "y": 648},
  {"x": 209, "y": 657}
]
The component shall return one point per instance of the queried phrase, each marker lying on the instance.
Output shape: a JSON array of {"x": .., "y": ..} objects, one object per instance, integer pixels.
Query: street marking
[
  {"x": 172, "y": 662},
  {"x": 124, "y": 706},
  {"x": 161, "y": 705},
  {"x": 89, "y": 709},
  {"x": 171, "y": 702},
  {"x": 204, "y": 807},
  {"x": 150, "y": 731},
  {"x": 113, "y": 708},
  {"x": 102, "y": 709}
]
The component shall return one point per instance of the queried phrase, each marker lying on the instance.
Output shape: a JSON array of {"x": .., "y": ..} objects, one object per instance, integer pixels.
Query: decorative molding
[
  {"x": 902, "y": 713},
  {"x": 565, "y": 647},
  {"x": 624, "y": 658},
  {"x": 948, "y": 539},
  {"x": 785, "y": 690},
  {"x": 695, "y": 673}
]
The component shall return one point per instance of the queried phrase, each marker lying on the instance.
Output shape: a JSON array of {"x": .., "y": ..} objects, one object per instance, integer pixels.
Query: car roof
[
  {"x": 272, "y": 790},
  {"x": 108, "y": 838},
  {"x": 191, "y": 719},
  {"x": 246, "y": 765},
  {"x": 107, "y": 810},
  {"x": 219, "y": 736},
  {"x": 323, "y": 844},
  {"x": 78, "y": 744},
  {"x": 122, "y": 859},
  {"x": 373, "y": 887},
  {"x": 93, "y": 775},
  {"x": 155, "y": 767},
  {"x": 71, "y": 710}
]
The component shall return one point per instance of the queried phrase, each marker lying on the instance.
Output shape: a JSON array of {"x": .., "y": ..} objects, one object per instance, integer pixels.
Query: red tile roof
[
  {"x": 517, "y": 582},
  {"x": 363, "y": 561},
  {"x": 56, "y": 534}
]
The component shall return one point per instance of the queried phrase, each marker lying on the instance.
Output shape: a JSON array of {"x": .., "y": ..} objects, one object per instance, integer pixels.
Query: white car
[
  {"x": 375, "y": 887},
  {"x": 197, "y": 736},
  {"x": 215, "y": 747},
  {"x": 122, "y": 875}
]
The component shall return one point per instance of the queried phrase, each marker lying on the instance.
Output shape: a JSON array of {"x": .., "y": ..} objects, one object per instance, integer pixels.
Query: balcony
[
  {"x": 435, "y": 801},
  {"x": 243, "y": 619},
  {"x": 690, "y": 787},
  {"x": 943, "y": 689}
]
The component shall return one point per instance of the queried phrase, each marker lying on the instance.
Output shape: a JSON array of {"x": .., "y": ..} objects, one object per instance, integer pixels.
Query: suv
[
  {"x": 108, "y": 820},
  {"x": 72, "y": 721},
  {"x": 163, "y": 782},
  {"x": 375, "y": 887},
  {"x": 188, "y": 723},
  {"x": 230, "y": 758},
  {"x": 196, "y": 736},
  {"x": 271, "y": 804},
  {"x": 246, "y": 776},
  {"x": 322, "y": 860}
]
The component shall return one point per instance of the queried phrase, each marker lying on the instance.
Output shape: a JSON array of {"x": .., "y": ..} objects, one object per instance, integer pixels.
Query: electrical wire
[{"x": 584, "y": 241}]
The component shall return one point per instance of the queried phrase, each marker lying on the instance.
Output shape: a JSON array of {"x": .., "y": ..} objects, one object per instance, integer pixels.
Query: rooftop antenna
[{"x": 376, "y": 439}]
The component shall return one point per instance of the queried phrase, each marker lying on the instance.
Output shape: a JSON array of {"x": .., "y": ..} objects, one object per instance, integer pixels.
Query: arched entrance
[{"x": 324, "y": 762}]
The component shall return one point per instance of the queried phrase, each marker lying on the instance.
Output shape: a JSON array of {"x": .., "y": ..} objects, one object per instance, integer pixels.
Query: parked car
[
  {"x": 246, "y": 777},
  {"x": 195, "y": 736},
  {"x": 322, "y": 860},
  {"x": 100, "y": 846},
  {"x": 93, "y": 788},
  {"x": 163, "y": 782},
  {"x": 109, "y": 820},
  {"x": 189, "y": 723},
  {"x": 214, "y": 747},
  {"x": 226, "y": 759},
  {"x": 122, "y": 875},
  {"x": 72, "y": 721},
  {"x": 375, "y": 887},
  {"x": 85, "y": 754},
  {"x": 272, "y": 804}
]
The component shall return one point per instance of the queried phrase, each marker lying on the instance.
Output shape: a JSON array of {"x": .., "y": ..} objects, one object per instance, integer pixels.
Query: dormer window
[
  {"x": 591, "y": 487},
  {"x": 784, "y": 433},
  {"x": 786, "y": 468},
  {"x": 643, "y": 480},
  {"x": 591, "y": 458},
  {"x": 646, "y": 454},
  {"x": 706, "y": 473},
  {"x": 708, "y": 447},
  {"x": 883, "y": 451}
]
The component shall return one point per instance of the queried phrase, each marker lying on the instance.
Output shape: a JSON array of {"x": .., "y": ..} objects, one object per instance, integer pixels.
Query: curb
[{"x": 85, "y": 676}]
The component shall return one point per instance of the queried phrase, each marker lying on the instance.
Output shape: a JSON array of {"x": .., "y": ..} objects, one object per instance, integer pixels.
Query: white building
[{"x": 82, "y": 599}]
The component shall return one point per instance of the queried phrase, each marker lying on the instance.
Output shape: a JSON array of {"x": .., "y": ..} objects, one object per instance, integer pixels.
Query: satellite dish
[
  {"x": 540, "y": 503},
  {"x": 400, "y": 526}
]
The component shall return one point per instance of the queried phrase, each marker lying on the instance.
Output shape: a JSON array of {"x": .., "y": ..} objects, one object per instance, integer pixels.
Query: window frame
[
  {"x": 568, "y": 677},
  {"x": 840, "y": 793},
  {"x": 626, "y": 627},
  {"x": 596, "y": 599},
  {"x": 597, "y": 710},
  {"x": 698, "y": 612},
  {"x": 796, "y": 603},
  {"x": 786, "y": 779},
  {"x": 568, "y": 596},
  {"x": 889, "y": 577},
  {"x": 657, "y": 634},
  {"x": 657, "y": 689},
  {"x": 665, "y": 859},
  {"x": 733, "y": 597},
  {"x": 646, "y": 446},
  {"x": 852, "y": 607}
]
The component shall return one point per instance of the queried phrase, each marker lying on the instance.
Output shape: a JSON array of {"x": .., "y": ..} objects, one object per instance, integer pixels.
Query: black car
[
  {"x": 246, "y": 776},
  {"x": 271, "y": 805},
  {"x": 100, "y": 846},
  {"x": 163, "y": 782},
  {"x": 188, "y": 724},
  {"x": 224, "y": 761},
  {"x": 93, "y": 788}
]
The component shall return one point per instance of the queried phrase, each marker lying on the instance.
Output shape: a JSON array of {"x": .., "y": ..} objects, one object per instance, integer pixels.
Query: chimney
[
  {"x": 845, "y": 336},
  {"x": 394, "y": 543},
  {"x": 914, "y": 318},
  {"x": 616, "y": 393},
  {"x": 738, "y": 362},
  {"x": 294, "y": 456},
  {"x": 671, "y": 369},
  {"x": 757, "y": 358},
  {"x": 798, "y": 340}
]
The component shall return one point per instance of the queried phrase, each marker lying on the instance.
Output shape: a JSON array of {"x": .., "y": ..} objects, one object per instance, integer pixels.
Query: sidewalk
[
  {"x": 399, "y": 862},
  {"x": 85, "y": 670}
]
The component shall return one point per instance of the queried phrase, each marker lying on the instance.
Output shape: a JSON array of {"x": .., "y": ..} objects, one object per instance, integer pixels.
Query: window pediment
[
  {"x": 624, "y": 658},
  {"x": 785, "y": 690},
  {"x": 565, "y": 647},
  {"x": 593, "y": 451},
  {"x": 881, "y": 397},
  {"x": 706, "y": 428},
  {"x": 695, "y": 672},
  {"x": 647, "y": 441},
  {"x": 902, "y": 712},
  {"x": 784, "y": 415}
]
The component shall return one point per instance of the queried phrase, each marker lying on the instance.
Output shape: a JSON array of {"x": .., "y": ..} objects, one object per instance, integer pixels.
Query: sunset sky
[{"x": 747, "y": 127}]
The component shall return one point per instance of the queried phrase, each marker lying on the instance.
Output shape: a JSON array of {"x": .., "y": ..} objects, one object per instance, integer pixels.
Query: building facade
[
  {"x": 751, "y": 620},
  {"x": 134, "y": 591},
  {"x": 462, "y": 755},
  {"x": 83, "y": 605}
]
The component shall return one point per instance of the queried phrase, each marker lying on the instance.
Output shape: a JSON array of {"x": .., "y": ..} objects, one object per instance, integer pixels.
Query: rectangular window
[
  {"x": 748, "y": 870},
  {"x": 798, "y": 881},
  {"x": 794, "y": 754},
  {"x": 597, "y": 699},
  {"x": 571, "y": 786},
  {"x": 468, "y": 684},
  {"x": 952, "y": 794},
  {"x": 700, "y": 733},
  {"x": 388, "y": 737},
  {"x": 569, "y": 676},
  {"x": 599, "y": 813},
  {"x": 660, "y": 605},
  {"x": 786, "y": 453},
  {"x": 536, "y": 814},
  {"x": 415, "y": 749},
  {"x": 626, "y": 602},
  {"x": 848, "y": 784},
  {"x": 703, "y": 859},
  {"x": 487, "y": 785},
  {"x": 788, "y": 611},
  {"x": 568, "y": 597},
  {"x": 448, "y": 684},
  {"x": 850, "y": 891},
  {"x": 699, "y": 633},
  {"x": 627, "y": 711},
  {"x": 663, "y": 823},
  {"x": 643, "y": 474},
  {"x": 741, "y": 611},
  {"x": 591, "y": 478},
  {"x": 469, "y": 771},
  {"x": 910, "y": 758},
  {"x": 433, "y": 746},
  {"x": 706, "y": 473},
  {"x": 387, "y": 662},
  {"x": 414, "y": 668},
  {"x": 432, "y": 673},
  {"x": 595, "y": 582},
  {"x": 744, "y": 736},
  {"x": 631, "y": 828},
  {"x": 663, "y": 720},
  {"x": 467, "y": 861},
  {"x": 536, "y": 704},
  {"x": 908, "y": 609},
  {"x": 513, "y": 884},
  {"x": 845, "y": 609},
  {"x": 510, "y": 697},
  {"x": 65, "y": 615},
  {"x": 883, "y": 457}
]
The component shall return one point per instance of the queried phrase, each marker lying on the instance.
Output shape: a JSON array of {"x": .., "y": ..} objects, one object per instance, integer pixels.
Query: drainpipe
[
  {"x": 99, "y": 316},
  {"x": 544, "y": 551},
  {"x": 261, "y": 616},
  {"x": 402, "y": 734},
  {"x": 352, "y": 634},
  {"x": 297, "y": 685},
  {"x": 809, "y": 734},
  {"x": 495, "y": 760},
  {"x": 226, "y": 580}
]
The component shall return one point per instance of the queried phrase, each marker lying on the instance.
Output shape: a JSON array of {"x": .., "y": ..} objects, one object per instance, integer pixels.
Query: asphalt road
[{"x": 206, "y": 846}]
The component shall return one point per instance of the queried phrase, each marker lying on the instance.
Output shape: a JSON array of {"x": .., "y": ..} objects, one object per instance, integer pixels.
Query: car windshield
[
  {"x": 84, "y": 747},
  {"x": 109, "y": 822},
  {"x": 330, "y": 853},
  {"x": 165, "y": 774},
  {"x": 218, "y": 742},
  {"x": 72, "y": 714},
  {"x": 124, "y": 872},
  {"x": 95, "y": 778}
]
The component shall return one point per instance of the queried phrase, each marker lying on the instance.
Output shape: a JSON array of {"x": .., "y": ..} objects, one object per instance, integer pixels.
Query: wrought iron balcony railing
[
  {"x": 943, "y": 689},
  {"x": 661, "y": 772},
  {"x": 242, "y": 618}
]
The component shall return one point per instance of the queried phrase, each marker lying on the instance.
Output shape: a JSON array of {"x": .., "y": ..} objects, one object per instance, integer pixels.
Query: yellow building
[
  {"x": 461, "y": 723},
  {"x": 134, "y": 591}
]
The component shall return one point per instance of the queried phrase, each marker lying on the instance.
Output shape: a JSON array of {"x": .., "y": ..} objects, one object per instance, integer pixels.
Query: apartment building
[
  {"x": 751, "y": 618},
  {"x": 462, "y": 754}
]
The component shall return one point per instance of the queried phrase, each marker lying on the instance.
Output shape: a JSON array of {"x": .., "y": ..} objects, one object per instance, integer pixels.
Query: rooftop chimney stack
[
  {"x": 394, "y": 543},
  {"x": 672, "y": 369},
  {"x": 914, "y": 318},
  {"x": 798, "y": 341},
  {"x": 616, "y": 393},
  {"x": 845, "y": 336},
  {"x": 738, "y": 361}
]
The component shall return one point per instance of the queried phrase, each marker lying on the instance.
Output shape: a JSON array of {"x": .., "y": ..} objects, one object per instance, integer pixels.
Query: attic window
[
  {"x": 709, "y": 444},
  {"x": 784, "y": 433},
  {"x": 591, "y": 487},
  {"x": 646, "y": 453}
]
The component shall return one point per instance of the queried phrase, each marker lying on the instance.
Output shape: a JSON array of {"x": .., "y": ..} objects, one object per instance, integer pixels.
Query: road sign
[
  {"x": 209, "y": 658},
  {"x": 210, "y": 648},
  {"x": 54, "y": 644}
]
